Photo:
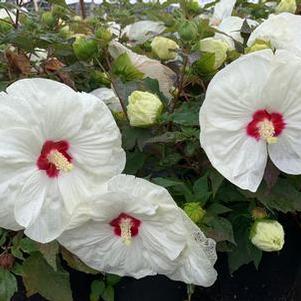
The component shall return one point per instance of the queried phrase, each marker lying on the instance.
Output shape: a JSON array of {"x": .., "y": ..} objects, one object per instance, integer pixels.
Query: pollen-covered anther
[
  {"x": 60, "y": 161},
  {"x": 126, "y": 233},
  {"x": 266, "y": 131}
]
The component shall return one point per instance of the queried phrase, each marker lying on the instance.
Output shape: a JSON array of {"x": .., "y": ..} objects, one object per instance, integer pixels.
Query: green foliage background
[{"x": 167, "y": 154}]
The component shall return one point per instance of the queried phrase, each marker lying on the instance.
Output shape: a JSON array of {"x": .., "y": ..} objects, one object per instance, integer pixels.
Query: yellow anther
[
  {"x": 60, "y": 161},
  {"x": 267, "y": 131},
  {"x": 126, "y": 233}
]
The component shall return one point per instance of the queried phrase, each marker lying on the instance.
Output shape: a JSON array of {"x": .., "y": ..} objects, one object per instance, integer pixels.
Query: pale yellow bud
[
  {"x": 267, "y": 235},
  {"x": 218, "y": 47},
  {"x": 289, "y": 6},
  {"x": 143, "y": 109},
  {"x": 164, "y": 48},
  {"x": 259, "y": 45}
]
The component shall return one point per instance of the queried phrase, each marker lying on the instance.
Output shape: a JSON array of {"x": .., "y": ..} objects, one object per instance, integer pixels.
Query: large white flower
[
  {"x": 230, "y": 30},
  {"x": 151, "y": 68},
  {"x": 109, "y": 98},
  {"x": 55, "y": 144},
  {"x": 281, "y": 31},
  {"x": 141, "y": 31},
  {"x": 136, "y": 229},
  {"x": 252, "y": 108},
  {"x": 222, "y": 10}
]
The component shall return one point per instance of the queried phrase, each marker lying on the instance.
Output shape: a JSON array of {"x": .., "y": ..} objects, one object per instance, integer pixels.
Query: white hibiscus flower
[
  {"x": 222, "y": 10},
  {"x": 230, "y": 30},
  {"x": 55, "y": 144},
  {"x": 141, "y": 31},
  {"x": 109, "y": 98},
  {"x": 136, "y": 229},
  {"x": 252, "y": 108},
  {"x": 151, "y": 68},
  {"x": 281, "y": 31}
]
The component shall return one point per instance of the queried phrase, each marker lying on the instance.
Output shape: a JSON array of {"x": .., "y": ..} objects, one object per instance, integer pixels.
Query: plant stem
[{"x": 82, "y": 8}]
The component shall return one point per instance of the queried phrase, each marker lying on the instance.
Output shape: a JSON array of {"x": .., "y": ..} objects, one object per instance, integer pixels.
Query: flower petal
[
  {"x": 31, "y": 198},
  {"x": 282, "y": 31},
  {"x": 52, "y": 219},
  {"x": 282, "y": 94}
]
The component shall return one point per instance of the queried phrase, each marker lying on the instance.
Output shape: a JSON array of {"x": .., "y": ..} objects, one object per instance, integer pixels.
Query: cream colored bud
[
  {"x": 267, "y": 235},
  {"x": 289, "y": 6},
  {"x": 218, "y": 47},
  {"x": 164, "y": 48},
  {"x": 143, "y": 109}
]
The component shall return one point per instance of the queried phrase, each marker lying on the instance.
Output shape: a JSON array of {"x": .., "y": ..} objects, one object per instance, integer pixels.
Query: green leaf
[
  {"x": 8, "y": 285},
  {"x": 40, "y": 278},
  {"x": 216, "y": 180},
  {"x": 123, "y": 68},
  {"x": 220, "y": 229},
  {"x": 187, "y": 114},
  {"x": 50, "y": 252},
  {"x": 97, "y": 289},
  {"x": 205, "y": 65},
  {"x": 28, "y": 246},
  {"x": 112, "y": 279},
  {"x": 283, "y": 197},
  {"x": 134, "y": 161},
  {"x": 245, "y": 252},
  {"x": 216, "y": 209},
  {"x": 201, "y": 190},
  {"x": 108, "y": 294},
  {"x": 165, "y": 182}
]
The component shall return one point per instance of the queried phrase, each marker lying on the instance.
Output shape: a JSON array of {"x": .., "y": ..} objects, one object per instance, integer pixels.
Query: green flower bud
[
  {"x": 48, "y": 19},
  {"x": 259, "y": 213},
  {"x": 192, "y": 5},
  {"x": 103, "y": 34},
  {"x": 188, "y": 31},
  {"x": 143, "y": 109},
  {"x": 65, "y": 32},
  {"x": 289, "y": 6},
  {"x": 84, "y": 48},
  {"x": 218, "y": 47},
  {"x": 259, "y": 45},
  {"x": 194, "y": 211},
  {"x": 267, "y": 235},
  {"x": 164, "y": 48}
]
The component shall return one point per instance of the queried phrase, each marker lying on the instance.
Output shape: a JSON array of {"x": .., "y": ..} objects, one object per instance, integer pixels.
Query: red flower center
[
  {"x": 55, "y": 158},
  {"x": 266, "y": 126},
  {"x": 126, "y": 227}
]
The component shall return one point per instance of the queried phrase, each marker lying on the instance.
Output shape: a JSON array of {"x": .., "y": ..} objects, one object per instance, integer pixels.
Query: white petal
[
  {"x": 141, "y": 31},
  {"x": 282, "y": 95},
  {"x": 231, "y": 26},
  {"x": 109, "y": 98},
  {"x": 232, "y": 97},
  {"x": 223, "y": 9},
  {"x": 31, "y": 198},
  {"x": 19, "y": 146},
  {"x": 151, "y": 68},
  {"x": 196, "y": 262},
  {"x": 96, "y": 149},
  {"x": 53, "y": 217},
  {"x": 282, "y": 31}
]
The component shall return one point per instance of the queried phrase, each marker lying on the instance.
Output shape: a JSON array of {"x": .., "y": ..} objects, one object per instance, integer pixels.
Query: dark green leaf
[
  {"x": 97, "y": 290},
  {"x": 39, "y": 277},
  {"x": 8, "y": 285}
]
